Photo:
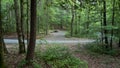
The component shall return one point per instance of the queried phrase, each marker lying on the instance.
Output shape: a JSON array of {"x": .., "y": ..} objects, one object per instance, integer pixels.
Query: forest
[{"x": 59, "y": 34}]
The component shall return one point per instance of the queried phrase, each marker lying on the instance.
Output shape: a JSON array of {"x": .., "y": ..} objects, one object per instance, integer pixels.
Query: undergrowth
[
  {"x": 35, "y": 64},
  {"x": 101, "y": 49},
  {"x": 57, "y": 56}
]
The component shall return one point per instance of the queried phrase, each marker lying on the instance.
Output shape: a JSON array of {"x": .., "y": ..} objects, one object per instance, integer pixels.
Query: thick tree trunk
[
  {"x": 105, "y": 24},
  {"x": 18, "y": 27},
  {"x": 1, "y": 42},
  {"x": 31, "y": 46}
]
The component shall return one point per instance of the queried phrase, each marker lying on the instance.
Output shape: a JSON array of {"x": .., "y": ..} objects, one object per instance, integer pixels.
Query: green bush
[
  {"x": 23, "y": 63},
  {"x": 55, "y": 52},
  {"x": 101, "y": 49},
  {"x": 60, "y": 57}
]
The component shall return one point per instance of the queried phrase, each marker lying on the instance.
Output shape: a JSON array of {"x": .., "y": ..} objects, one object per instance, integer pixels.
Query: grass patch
[{"x": 60, "y": 57}]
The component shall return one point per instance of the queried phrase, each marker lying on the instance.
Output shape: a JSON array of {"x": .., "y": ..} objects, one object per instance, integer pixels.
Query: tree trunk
[
  {"x": 46, "y": 16},
  {"x": 31, "y": 46},
  {"x": 119, "y": 42},
  {"x": 1, "y": 42},
  {"x": 1, "y": 49},
  {"x": 61, "y": 24},
  {"x": 102, "y": 39},
  {"x": 22, "y": 23},
  {"x": 105, "y": 24},
  {"x": 113, "y": 15},
  {"x": 76, "y": 19},
  {"x": 76, "y": 22},
  {"x": 88, "y": 20},
  {"x": 79, "y": 23},
  {"x": 18, "y": 27},
  {"x": 4, "y": 47},
  {"x": 27, "y": 21},
  {"x": 72, "y": 20}
]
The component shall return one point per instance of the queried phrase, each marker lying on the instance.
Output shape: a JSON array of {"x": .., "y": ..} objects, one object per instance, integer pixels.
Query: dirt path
[
  {"x": 59, "y": 37},
  {"x": 55, "y": 37}
]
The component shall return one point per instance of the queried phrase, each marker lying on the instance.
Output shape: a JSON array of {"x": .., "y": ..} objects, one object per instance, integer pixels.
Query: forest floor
[
  {"x": 77, "y": 49},
  {"x": 93, "y": 60}
]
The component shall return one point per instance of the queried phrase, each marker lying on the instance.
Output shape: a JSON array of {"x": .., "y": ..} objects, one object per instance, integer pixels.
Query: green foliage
[
  {"x": 101, "y": 49},
  {"x": 55, "y": 52},
  {"x": 23, "y": 63},
  {"x": 60, "y": 57},
  {"x": 36, "y": 65},
  {"x": 8, "y": 16}
]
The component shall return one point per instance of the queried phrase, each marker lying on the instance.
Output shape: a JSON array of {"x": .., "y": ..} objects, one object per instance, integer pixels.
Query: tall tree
[
  {"x": 73, "y": 17},
  {"x": 105, "y": 23},
  {"x": 46, "y": 16},
  {"x": 27, "y": 21},
  {"x": 88, "y": 15},
  {"x": 19, "y": 27},
  {"x": 101, "y": 14},
  {"x": 31, "y": 46},
  {"x": 1, "y": 42},
  {"x": 22, "y": 23},
  {"x": 112, "y": 32},
  {"x": 76, "y": 19}
]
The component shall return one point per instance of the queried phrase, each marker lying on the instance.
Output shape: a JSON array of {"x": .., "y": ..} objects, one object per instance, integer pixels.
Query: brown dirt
[
  {"x": 94, "y": 61},
  {"x": 13, "y": 58}
]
